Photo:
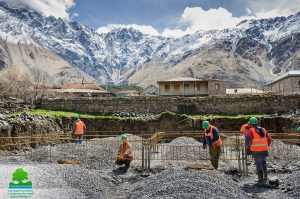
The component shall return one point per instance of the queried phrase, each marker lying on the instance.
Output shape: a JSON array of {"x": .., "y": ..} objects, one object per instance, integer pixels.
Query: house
[
  {"x": 243, "y": 91},
  {"x": 285, "y": 84},
  {"x": 150, "y": 91},
  {"x": 127, "y": 93},
  {"x": 190, "y": 87},
  {"x": 81, "y": 90}
]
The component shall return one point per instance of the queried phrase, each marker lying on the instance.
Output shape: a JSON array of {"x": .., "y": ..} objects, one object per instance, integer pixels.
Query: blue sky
[{"x": 162, "y": 17}]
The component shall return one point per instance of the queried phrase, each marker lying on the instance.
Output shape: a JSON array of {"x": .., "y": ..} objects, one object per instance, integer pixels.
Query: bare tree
[
  {"x": 39, "y": 83},
  {"x": 25, "y": 85}
]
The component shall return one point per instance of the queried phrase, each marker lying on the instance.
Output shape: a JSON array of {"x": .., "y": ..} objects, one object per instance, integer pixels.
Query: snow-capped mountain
[{"x": 257, "y": 49}]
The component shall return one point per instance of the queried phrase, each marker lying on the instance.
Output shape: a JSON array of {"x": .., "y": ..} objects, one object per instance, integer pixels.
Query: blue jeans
[{"x": 78, "y": 139}]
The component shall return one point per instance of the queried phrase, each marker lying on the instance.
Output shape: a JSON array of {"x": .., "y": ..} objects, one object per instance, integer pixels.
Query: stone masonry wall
[
  {"x": 289, "y": 85},
  {"x": 261, "y": 104}
]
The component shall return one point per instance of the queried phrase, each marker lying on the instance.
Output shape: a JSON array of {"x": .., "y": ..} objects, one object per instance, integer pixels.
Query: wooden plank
[{"x": 155, "y": 138}]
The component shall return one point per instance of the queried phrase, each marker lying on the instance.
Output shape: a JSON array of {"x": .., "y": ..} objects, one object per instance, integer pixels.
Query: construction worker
[
  {"x": 213, "y": 140},
  {"x": 244, "y": 129},
  {"x": 125, "y": 155},
  {"x": 258, "y": 141},
  {"x": 78, "y": 130}
]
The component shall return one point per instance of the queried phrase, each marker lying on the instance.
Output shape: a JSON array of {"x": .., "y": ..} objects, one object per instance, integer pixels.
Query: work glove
[{"x": 208, "y": 142}]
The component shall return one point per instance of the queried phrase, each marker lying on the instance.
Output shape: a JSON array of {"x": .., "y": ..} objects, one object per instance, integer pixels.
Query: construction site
[{"x": 169, "y": 159}]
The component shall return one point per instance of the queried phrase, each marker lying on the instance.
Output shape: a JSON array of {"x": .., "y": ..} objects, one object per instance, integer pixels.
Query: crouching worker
[
  {"x": 258, "y": 141},
  {"x": 125, "y": 155}
]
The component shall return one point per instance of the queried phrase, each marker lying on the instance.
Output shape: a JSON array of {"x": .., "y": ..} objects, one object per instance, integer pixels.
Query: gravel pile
[
  {"x": 292, "y": 185},
  {"x": 181, "y": 183},
  {"x": 93, "y": 154}
]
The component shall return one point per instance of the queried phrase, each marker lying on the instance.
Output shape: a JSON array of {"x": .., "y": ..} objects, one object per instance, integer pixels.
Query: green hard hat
[
  {"x": 76, "y": 117},
  {"x": 205, "y": 124},
  {"x": 253, "y": 120},
  {"x": 123, "y": 137},
  {"x": 298, "y": 129}
]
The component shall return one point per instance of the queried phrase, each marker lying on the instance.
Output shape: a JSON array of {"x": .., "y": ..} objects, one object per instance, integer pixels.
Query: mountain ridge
[{"x": 256, "y": 49}]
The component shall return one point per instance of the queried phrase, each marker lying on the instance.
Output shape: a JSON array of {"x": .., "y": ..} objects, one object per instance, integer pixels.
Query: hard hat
[
  {"x": 76, "y": 117},
  {"x": 205, "y": 124},
  {"x": 253, "y": 120},
  {"x": 123, "y": 137},
  {"x": 298, "y": 129}
]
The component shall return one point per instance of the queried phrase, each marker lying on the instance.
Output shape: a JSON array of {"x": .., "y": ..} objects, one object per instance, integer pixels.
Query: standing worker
[
  {"x": 258, "y": 141},
  {"x": 125, "y": 155},
  {"x": 213, "y": 140},
  {"x": 78, "y": 130}
]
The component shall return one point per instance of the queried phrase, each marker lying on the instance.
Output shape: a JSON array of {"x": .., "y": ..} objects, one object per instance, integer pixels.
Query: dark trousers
[
  {"x": 126, "y": 161},
  {"x": 260, "y": 161},
  {"x": 214, "y": 153},
  {"x": 78, "y": 139}
]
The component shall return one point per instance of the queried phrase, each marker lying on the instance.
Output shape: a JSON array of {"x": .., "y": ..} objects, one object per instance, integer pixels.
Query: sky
[{"x": 161, "y": 17}]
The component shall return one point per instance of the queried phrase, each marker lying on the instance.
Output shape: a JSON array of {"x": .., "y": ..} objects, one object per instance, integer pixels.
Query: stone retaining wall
[{"x": 246, "y": 104}]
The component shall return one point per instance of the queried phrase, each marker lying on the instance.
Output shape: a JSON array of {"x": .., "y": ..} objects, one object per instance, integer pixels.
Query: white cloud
[
  {"x": 56, "y": 8},
  {"x": 248, "y": 11},
  {"x": 143, "y": 29},
  {"x": 196, "y": 18},
  {"x": 274, "y": 8}
]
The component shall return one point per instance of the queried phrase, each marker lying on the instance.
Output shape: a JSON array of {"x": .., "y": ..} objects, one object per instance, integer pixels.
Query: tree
[
  {"x": 24, "y": 85},
  {"x": 39, "y": 83}
]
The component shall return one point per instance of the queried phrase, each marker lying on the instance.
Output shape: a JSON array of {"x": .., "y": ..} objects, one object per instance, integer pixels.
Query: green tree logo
[{"x": 20, "y": 179}]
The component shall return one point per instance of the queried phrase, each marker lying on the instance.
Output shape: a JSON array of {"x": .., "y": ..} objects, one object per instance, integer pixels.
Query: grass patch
[
  {"x": 56, "y": 114},
  {"x": 207, "y": 117}
]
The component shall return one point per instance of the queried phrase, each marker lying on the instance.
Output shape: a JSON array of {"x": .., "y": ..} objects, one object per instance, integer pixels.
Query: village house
[
  {"x": 286, "y": 84},
  {"x": 81, "y": 90},
  {"x": 150, "y": 91},
  {"x": 191, "y": 87}
]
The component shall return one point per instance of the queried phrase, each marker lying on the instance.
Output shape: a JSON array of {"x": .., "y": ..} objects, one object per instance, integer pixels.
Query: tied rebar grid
[{"x": 187, "y": 149}]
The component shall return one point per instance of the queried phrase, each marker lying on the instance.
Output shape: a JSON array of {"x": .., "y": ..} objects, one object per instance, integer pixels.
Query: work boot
[
  {"x": 265, "y": 179},
  {"x": 127, "y": 164},
  {"x": 260, "y": 176}
]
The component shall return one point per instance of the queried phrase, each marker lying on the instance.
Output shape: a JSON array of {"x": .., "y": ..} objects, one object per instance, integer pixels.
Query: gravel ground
[{"x": 168, "y": 179}]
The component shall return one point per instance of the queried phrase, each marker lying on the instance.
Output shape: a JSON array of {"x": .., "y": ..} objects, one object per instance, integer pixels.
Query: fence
[{"x": 149, "y": 148}]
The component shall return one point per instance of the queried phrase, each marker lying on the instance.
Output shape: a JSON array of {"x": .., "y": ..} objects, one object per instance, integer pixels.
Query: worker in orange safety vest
[
  {"x": 213, "y": 140},
  {"x": 258, "y": 141},
  {"x": 244, "y": 129},
  {"x": 78, "y": 130},
  {"x": 125, "y": 155}
]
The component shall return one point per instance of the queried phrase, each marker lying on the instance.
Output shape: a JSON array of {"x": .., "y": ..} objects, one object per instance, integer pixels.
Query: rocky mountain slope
[{"x": 251, "y": 54}]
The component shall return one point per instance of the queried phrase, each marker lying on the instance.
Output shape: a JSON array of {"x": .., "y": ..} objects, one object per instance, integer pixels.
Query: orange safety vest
[
  {"x": 79, "y": 128},
  {"x": 123, "y": 148},
  {"x": 244, "y": 127},
  {"x": 216, "y": 143},
  {"x": 259, "y": 143}
]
